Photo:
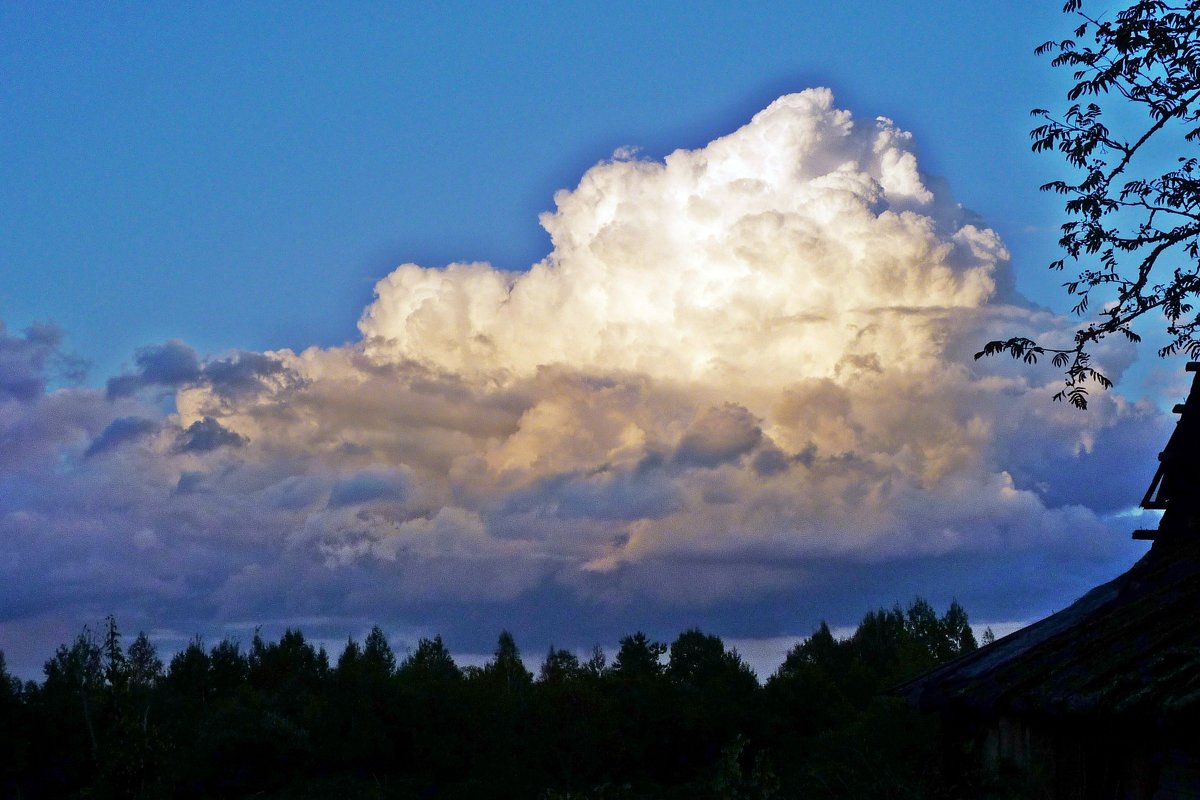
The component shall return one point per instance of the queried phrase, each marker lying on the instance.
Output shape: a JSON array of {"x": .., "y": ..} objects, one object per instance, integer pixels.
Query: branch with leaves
[{"x": 1133, "y": 228}]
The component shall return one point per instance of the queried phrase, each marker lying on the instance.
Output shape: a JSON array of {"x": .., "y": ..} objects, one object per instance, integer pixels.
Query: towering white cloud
[
  {"x": 796, "y": 244},
  {"x": 740, "y": 373}
]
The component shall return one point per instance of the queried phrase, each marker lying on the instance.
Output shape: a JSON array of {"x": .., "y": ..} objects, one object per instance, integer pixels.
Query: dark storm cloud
[
  {"x": 119, "y": 432},
  {"x": 623, "y": 495},
  {"x": 190, "y": 482},
  {"x": 167, "y": 365},
  {"x": 175, "y": 365},
  {"x": 23, "y": 361},
  {"x": 207, "y": 434},
  {"x": 770, "y": 461},
  {"x": 372, "y": 484},
  {"x": 1087, "y": 477},
  {"x": 241, "y": 373},
  {"x": 719, "y": 436}
]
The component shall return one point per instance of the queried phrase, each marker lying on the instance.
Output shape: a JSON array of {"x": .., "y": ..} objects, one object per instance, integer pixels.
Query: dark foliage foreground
[{"x": 277, "y": 719}]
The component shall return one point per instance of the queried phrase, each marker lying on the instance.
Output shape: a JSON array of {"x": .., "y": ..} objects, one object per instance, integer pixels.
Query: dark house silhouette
[{"x": 1102, "y": 699}]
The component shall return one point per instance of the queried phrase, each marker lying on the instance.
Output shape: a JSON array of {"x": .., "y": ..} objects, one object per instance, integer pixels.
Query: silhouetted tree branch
[{"x": 1133, "y": 228}]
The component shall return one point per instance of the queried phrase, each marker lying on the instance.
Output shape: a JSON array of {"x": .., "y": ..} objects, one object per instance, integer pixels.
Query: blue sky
[
  {"x": 738, "y": 392},
  {"x": 241, "y": 176}
]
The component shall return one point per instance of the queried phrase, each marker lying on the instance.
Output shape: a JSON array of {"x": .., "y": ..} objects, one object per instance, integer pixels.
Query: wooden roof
[
  {"x": 1128, "y": 648},
  {"x": 1175, "y": 488}
]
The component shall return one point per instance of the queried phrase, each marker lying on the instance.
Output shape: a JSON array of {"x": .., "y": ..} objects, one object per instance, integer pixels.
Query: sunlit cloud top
[{"x": 773, "y": 252}]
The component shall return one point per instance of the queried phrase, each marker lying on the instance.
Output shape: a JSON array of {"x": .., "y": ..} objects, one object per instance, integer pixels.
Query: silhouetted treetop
[
  {"x": 559, "y": 666},
  {"x": 638, "y": 658},
  {"x": 506, "y": 668},
  {"x": 430, "y": 661},
  {"x": 276, "y": 721}
]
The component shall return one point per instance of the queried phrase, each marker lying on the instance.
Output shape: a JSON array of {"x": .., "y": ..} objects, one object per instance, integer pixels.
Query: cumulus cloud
[
  {"x": 740, "y": 380},
  {"x": 805, "y": 242}
]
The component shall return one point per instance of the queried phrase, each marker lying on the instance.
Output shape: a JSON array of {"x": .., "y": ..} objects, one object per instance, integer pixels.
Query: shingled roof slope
[{"x": 1130, "y": 647}]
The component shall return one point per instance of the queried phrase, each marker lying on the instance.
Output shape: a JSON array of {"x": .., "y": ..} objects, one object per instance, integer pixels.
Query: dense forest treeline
[{"x": 282, "y": 719}]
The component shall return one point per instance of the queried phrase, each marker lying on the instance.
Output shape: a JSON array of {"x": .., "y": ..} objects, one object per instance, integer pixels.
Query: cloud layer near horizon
[{"x": 740, "y": 373}]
